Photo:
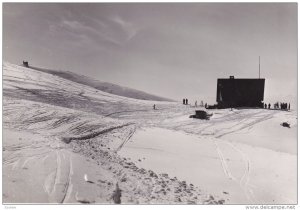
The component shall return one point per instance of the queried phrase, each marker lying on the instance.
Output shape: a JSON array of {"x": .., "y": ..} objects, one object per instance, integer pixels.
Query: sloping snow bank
[
  {"x": 241, "y": 173},
  {"x": 40, "y": 110}
]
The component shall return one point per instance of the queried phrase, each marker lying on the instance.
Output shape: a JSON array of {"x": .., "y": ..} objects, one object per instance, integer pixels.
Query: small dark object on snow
[
  {"x": 200, "y": 114},
  {"x": 67, "y": 140},
  {"x": 83, "y": 201},
  {"x": 117, "y": 195},
  {"x": 25, "y": 63},
  {"x": 221, "y": 201},
  {"x": 285, "y": 124}
]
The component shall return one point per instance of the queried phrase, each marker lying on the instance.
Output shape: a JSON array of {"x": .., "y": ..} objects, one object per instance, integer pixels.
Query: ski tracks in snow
[
  {"x": 132, "y": 131},
  {"x": 245, "y": 121},
  {"x": 58, "y": 183},
  {"x": 226, "y": 170},
  {"x": 242, "y": 181}
]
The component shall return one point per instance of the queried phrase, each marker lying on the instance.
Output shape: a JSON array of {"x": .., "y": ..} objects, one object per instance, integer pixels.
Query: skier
[{"x": 154, "y": 106}]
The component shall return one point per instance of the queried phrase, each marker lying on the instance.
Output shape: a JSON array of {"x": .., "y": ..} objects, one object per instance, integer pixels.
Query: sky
[{"x": 174, "y": 50}]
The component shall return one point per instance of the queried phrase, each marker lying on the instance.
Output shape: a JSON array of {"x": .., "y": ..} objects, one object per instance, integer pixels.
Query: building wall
[{"x": 240, "y": 92}]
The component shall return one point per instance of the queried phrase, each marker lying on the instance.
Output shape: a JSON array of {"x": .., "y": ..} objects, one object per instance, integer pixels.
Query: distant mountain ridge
[{"x": 103, "y": 86}]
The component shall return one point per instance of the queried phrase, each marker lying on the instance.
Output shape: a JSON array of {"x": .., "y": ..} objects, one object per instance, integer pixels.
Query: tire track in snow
[
  {"x": 94, "y": 134},
  {"x": 126, "y": 140},
  {"x": 57, "y": 183},
  {"x": 128, "y": 111},
  {"x": 70, "y": 185},
  {"x": 16, "y": 159},
  {"x": 27, "y": 160},
  {"x": 246, "y": 125}
]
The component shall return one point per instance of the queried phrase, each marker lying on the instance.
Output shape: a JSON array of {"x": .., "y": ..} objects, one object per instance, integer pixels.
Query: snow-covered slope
[
  {"x": 103, "y": 86},
  {"x": 245, "y": 155},
  {"x": 61, "y": 140},
  {"x": 66, "y": 142}
]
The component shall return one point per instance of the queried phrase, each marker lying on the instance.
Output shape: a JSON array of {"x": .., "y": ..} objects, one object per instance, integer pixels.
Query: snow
[
  {"x": 217, "y": 166},
  {"x": 67, "y": 142},
  {"x": 187, "y": 157},
  {"x": 281, "y": 139},
  {"x": 103, "y": 86}
]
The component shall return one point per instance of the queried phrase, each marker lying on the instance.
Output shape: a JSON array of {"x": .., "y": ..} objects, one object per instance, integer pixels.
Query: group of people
[
  {"x": 267, "y": 106},
  {"x": 277, "y": 105},
  {"x": 201, "y": 104},
  {"x": 284, "y": 106},
  {"x": 185, "y": 101}
]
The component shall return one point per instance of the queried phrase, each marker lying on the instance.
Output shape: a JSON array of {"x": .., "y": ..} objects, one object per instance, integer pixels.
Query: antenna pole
[{"x": 259, "y": 67}]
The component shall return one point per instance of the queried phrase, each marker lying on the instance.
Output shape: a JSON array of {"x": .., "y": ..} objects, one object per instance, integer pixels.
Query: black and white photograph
[{"x": 150, "y": 103}]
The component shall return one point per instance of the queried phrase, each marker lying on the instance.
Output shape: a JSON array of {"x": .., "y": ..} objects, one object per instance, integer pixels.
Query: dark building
[{"x": 240, "y": 92}]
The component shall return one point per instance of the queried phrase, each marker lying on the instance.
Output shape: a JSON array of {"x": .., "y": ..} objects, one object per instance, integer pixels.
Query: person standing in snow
[
  {"x": 196, "y": 104},
  {"x": 269, "y": 106},
  {"x": 154, "y": 106}
]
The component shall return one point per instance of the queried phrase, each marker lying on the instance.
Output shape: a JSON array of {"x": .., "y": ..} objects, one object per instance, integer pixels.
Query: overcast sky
[{"x": 172, "y": 50}]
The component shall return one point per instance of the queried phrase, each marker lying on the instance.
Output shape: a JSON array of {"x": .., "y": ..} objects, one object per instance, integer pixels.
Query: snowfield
[{"x": 65, "y": 142}]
